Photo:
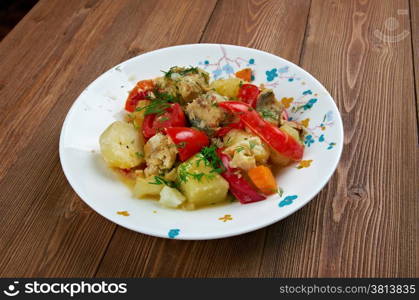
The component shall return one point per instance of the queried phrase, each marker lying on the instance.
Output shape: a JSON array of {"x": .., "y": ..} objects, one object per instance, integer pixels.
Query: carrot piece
[
  {"x": 145, "y": 85},
  {"x": 245, "y": 74},
  {"x": 263, "y": 179}
]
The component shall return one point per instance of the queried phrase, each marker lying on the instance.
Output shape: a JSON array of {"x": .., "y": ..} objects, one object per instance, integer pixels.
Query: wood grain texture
[
  {"x": 258, "y": 24},
  {"x": 414, "y": 15},
  {"x": 45, "y": 229},
  {"x": 365, "y": 222}
]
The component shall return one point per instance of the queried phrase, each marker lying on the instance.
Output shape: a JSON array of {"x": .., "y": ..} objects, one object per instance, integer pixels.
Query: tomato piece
[
  {"x": 248, "y": 93},
  {"x": 172, "y": 117},
  {"x": 226, "y": 129},
  {"x": 189, "y": 141},
  {"x": 277, "y": 139},
  {"x": 138, "y": 93}
]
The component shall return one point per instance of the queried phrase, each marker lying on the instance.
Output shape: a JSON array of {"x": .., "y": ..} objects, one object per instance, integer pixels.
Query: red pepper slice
[
  {"x": 138, "y": 93},
  {"x": 173, "y": 117},
  {"x": 189, "y": 141},
  {"x": 280, "y": 141},
  {"x": 226, "y": 129},
  {"x": 248, "y": 93},
  {"x": 239, "y": 187}
]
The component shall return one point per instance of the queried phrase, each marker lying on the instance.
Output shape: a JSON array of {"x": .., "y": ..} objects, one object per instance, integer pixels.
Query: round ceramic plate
[{"x": 102, "y": 102}]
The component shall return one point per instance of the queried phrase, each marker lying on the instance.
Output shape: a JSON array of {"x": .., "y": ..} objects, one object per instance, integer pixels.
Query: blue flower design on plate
[
  {"x": 228, "y": 69},
  {"x": 270, "y": 75},
  {"x": 251, "y": 61},
  {"x": 309, "y": 104},
  {"x": 216, "y": 73},
  {"x": 331, "y": 145},
  {"x": 307, "y": 92},
  {"x": 173, "y": 233},
  {"x": 283, "y": 69},
  {"x": 308, "y": 140},
  {"x": 321, "y": 138},
  {"x": 329, "y": 116},
  {"x": 287, "y": 200}
]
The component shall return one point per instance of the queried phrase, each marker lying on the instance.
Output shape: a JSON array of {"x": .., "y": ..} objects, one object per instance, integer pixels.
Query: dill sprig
[
  {"x": 158, "y": 180},
  {"x": 184, "y": 173},
  {"x": 159, "y": 104},
  {"x": 173, "y": 70},
  {"x": 267, "y": 114},
  {"x": 210, "y": 156}
]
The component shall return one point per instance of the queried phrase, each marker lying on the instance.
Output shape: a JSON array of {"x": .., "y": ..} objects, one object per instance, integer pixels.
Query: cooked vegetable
[
  {"x": 279, "y": 159},
  {"x": 171, "y": 197},
  {"x": 200, "y": 183},
  {"x": 138, "y": 93},
  {"x": 137, "y": 117},
  {"x": 187, "y": 83},
  {"x": 121, "y": 144},
  {"x": 245, "y": 74},
  {"x": 227, "y": 128},
  {"x": 147, "y": 187},
  {"x": 160, "y": 155},
  {"x": 199, "y": 144},
  {"x": 188, "y": 141},
  {"x": 246, "y": 149},
  {"x": 269, "y": 107},
  {"x": 239, "y": 187},
  {"x": 171, "y": 117},
  {"x": 227, "y": 87},
  {"x": 248, "y": 93},
  {"x": 279, "y": 141},
  {"x": 263, "y": 179},
  {"x": 204, "y": 113}
]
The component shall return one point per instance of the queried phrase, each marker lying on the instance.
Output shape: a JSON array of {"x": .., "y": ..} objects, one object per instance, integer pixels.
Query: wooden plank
[
  {"x": 414, "y": 24},
  {"x": 258, "y": 24},
  {"x": 365, "y": 222},
  {"x": 46, "y": 230}
]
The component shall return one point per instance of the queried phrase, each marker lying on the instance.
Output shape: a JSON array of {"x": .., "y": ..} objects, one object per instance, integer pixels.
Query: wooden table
[{"x": 365, "y": 222}]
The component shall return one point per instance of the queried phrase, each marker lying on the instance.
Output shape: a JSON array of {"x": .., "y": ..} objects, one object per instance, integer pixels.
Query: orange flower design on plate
[
  {"x": 305, "y": 122},
  {"x": 226, "y": 218},
  {"x": 287, "y": 101},
  {"x": 304, "y": 164},
  {"x": 123, "y": 213}
]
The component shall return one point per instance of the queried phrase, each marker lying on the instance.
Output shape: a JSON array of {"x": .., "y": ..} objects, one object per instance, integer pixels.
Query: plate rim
[{"x": 209, "y": 236}]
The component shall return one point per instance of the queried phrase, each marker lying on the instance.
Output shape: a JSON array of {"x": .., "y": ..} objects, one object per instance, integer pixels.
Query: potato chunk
[
  {"x": 227, "y": 87},
  {"x": 121, "y": 145},
  {"x": 199, "y": 184},
  {"x": 144, "y": 187}
]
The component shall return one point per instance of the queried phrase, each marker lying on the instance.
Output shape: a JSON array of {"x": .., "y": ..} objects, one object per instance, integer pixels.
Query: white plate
[{"x": 103, "y": 100}]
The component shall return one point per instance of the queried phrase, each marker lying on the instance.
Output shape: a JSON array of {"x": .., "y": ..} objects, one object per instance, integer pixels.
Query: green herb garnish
[
  {"x": 239, "y": 149},
  {"x": 184, "y": 174},
  {"x": 252, "y": 144},
  {"x": 267, "y": 114},
  {"x": 210, "y": 155},
  {"x": 160, "y": 180},
  {"x": 159, "y": 104},
  {"x": 183, "y": 72}
]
